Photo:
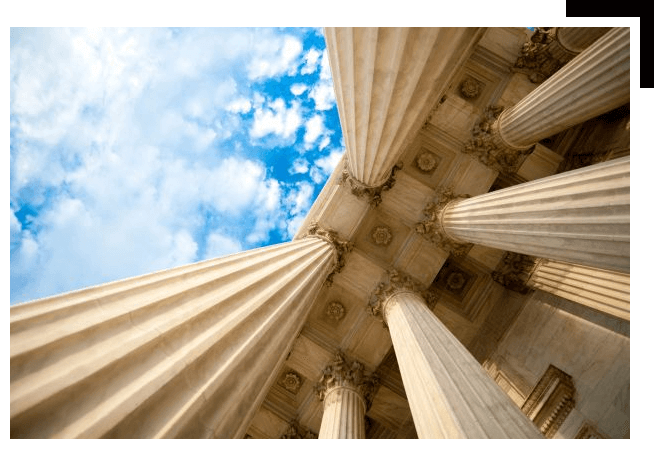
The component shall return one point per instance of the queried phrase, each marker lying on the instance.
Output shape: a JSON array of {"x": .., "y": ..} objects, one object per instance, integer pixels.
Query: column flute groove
[
  {"x": 580, "y": 217},
  {"x": 449, "y": 394},
  {"x": 182, "y": 352}
]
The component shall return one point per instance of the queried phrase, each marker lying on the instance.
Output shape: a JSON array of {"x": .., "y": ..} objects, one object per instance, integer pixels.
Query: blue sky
[{"x": 135, "y": 150}]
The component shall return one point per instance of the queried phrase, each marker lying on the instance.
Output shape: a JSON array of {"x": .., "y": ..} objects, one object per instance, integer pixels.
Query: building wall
[{"x": 591, "y": 347}]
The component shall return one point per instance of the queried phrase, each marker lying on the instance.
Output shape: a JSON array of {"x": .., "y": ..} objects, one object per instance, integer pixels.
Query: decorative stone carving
[
  {"x": 550, "y": 401},
  {"x": 341, "y": 373},
  {"x": 536, "y": 61},
  {"x": 335, "y": 311},
  {"x": 361, "y": 190},
  {"x": 513, "y": 272},
  {"x": 381, "y": 235},
  {"x": 486, "y": 144},
  {"x": 397, "y": 282},
  {"x": 589, "y": 432},
  {"x": 470, "y": 88},
  {"x": 426, "y": 161},
  {"x": 294, "y": 432},
  {"x": 291, "y": 381},
  {"x": 341, "y": 247},
  {"x": 578, "y": 160},
  {"x": 432, "y": 228}
]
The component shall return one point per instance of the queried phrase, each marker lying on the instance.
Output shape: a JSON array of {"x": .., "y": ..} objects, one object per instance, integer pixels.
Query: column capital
[
  {"x": 514, "y": 270},
  {"x": 542, "y": 55},
  {"x": 490, "y": 148},
  {"x": 340, "y": 373},
  {"x": 432, "y": 228},
  {"x": 383, "y": 297},
  {"x": 361, "y": 190},
  {"x": 341, "y": 247},
  {"x": 293, "y": 432}
]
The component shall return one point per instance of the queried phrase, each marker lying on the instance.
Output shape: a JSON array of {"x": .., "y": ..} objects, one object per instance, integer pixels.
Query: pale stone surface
[
  {"x": 603, "y": 290},
  {"x": 595, "y": 356},
  {"x": 149, "y": 356},
  {"x": 386, "y": 81},
  {"x": 594, "y": 82},
  {"x": 540, "y": 163},
  {"x": 581, "y": 216},
  {"x": 449, "y": 393}
]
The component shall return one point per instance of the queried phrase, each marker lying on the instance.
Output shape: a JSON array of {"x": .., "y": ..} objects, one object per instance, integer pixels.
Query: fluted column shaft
[
  {"x": 449, "y": 393},
  {"x": 580, "y": 216},
  {"x": 576, "y": 39},
  {"x": 386, "y": 81},
  {"x": 594, "y": 82},
  {"x": 603, "y": 290},
  {"x": 343, "y": 414},
  {"x": 187, "y": 352}
]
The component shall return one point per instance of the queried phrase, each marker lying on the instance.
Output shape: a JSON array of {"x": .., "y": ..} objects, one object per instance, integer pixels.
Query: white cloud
[
  {"x": 274, "y": 56},
  {"x": 323, "y": 96},
  {"x": 299, "y": 200},
  {"x": 315, "y": 127},
  {"x": 220, "y": 245},
  {"x": 240, "y": 106},
  {"x": 324, "y": 142},
  {"x": 275, "y": 118},
  {"x": 310, "y": 61},
  {"x": 324, "y": 166},
  {"x": 300, "y": 166},
  {"x": 298, "y": 88}
]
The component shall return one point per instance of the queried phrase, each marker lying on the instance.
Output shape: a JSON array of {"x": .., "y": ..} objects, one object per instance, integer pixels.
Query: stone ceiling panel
[
  {"x": 420, "y": 259},
  {"x": 390, "y": 409},
  {"x": 360, "y": 276}
]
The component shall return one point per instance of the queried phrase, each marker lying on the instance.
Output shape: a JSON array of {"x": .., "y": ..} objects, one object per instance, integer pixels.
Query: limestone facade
[{"x": 464, "y": 273}]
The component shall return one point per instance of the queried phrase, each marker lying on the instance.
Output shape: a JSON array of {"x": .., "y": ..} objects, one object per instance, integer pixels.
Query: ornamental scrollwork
[
  {"x": 341, "y": 247},
  {"x": 542, "y": 56},
  {"x": 341, "y": 373},
  {"x": 484, "y": 145},
  {"x": 514, "y": 271},
  {"x": 361, "y": 190},
  {"x": 397, "y": 282},
  {"x": 432, "y": 227}
]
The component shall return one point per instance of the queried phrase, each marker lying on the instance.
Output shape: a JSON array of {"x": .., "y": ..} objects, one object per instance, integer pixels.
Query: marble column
[
  {"x": 580, "y": 216},
  {"x": 549, "y": 49},
  {"x": 603, "y": 290},
  {"x": 449, "y": 393},
  {"x": 346, "y": 393},
  {"x": 594, "y": 82},
  {"x": 386, "y": 81},
  {"x": 187, "y": 352}
]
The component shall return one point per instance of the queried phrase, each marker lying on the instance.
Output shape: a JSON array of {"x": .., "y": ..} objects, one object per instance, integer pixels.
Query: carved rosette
[
  {"x": 381, "y": 235},
  {"x": 488, "y": 146},
  {"x": 542, "y": 55},
  {"x": 432, "y": 228},
  {"x": 383, "y": 297},
  {"x": 341, "y": 373},
  {"x": 335, "y": 311},
  {"x": 361, "y": 190},
  {"x": 514, "y": 270},
  {"x": 470, "y": 88},
  {"x": 341, "y": 247}
]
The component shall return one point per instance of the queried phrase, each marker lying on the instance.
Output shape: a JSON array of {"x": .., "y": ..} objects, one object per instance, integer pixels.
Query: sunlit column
[
  {"x": 449, "y": 393},
  {"x": 548, "y": 49},
  {"x": 580, "y": 216},
  {"x": 187, "y": 352},
  {"x": 386, "y": 80},
  {"x": 344, "y": 390},
  {"x": 603, "y": 290},
  {"x": 594, "y": 82}
]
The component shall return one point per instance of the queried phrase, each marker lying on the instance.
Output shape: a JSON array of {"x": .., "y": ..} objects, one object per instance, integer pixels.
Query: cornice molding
[
  {"x": 432, "y": 228},
  {"x": 490, "y": 148},
  {"x": 341, "y": 247},
  {"x": 340, "y": 373},
  {"x": 361, "y": 190}
]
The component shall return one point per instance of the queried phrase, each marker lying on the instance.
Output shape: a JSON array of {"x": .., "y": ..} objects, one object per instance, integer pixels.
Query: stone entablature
[{"x": 432, "y": 228}]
